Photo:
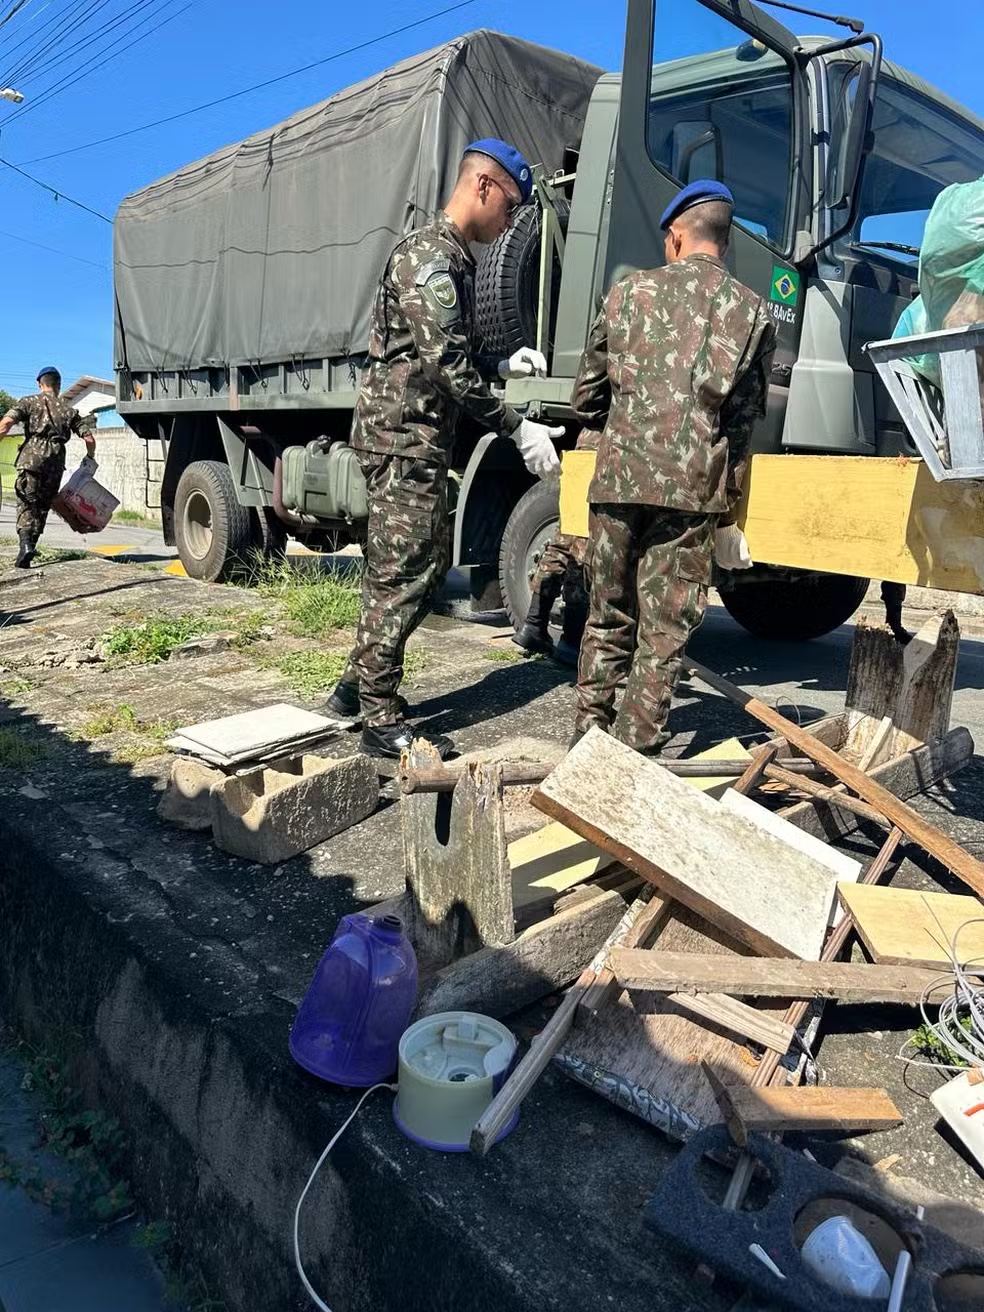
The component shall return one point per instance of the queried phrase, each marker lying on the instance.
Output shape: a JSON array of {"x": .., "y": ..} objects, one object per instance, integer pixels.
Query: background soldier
[
  {"x": 563, "y": 568},
  {"x": 48, "y": 422},
  {"x": 676, "y": 370},
  {"x": 421, "y": 375}
]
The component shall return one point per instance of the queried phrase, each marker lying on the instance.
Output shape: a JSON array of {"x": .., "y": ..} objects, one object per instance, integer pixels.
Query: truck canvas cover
[{"x": 272, "y": 248}]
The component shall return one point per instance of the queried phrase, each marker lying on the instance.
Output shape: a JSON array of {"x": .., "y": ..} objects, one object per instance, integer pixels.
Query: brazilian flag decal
[{"x": 785, "y": 286}]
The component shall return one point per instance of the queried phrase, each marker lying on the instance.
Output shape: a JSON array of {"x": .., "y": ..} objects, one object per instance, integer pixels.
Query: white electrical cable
[
  {"x": 318, "y": 1302},
  {"x": 965, "y": 1003}
]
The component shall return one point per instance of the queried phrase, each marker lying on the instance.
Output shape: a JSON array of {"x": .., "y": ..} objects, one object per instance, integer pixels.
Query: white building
[{"x": 95, "y": 397}]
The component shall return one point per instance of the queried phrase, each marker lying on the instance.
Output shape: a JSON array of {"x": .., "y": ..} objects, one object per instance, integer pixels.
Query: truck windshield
[
  {"x": 920, "y": 148},
  {"x": 722, "y": 107}
]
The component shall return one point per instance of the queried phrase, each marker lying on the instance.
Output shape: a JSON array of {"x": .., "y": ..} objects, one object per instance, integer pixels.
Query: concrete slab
[{"x": 179, "y": 969}]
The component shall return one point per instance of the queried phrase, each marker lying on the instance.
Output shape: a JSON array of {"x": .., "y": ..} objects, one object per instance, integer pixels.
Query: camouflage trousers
[
  {"x": 649, "y": 573},
  {"x": 35, "y": 489},
  {"x": 406, "y": 558}
]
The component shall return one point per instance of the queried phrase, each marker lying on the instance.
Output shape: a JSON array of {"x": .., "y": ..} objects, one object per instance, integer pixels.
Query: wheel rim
[{"x": 198, "y": 525}]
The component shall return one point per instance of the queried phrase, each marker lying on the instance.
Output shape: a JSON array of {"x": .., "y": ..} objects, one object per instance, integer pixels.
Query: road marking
[
  {"x": 177, "y": 568},
  {"x": 108, "y": 550}
]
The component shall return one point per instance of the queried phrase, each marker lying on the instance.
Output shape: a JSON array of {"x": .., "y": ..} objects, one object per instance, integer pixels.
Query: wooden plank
[
  {"x": 733, "y": 1016},
  {"x": 905, "y": 777},
  {"x": 496, "y": 981},
  {"x": 552, "y": 859},
  {"x": 723, "y": 866},
  {"x": 878, "y": 518},
  {"x": 776, "y": 1111},
  {"x": 830, "y": 795},
  {"x": 908, "y": 927},
  {"x": 954, "y": 857},
  {"x": 767, "y": 977},
  {"x": 729, "y": 751},
  {"x": 882, "y": 518},
  {"x": 535, "y": 1061},
  {"x": 457, "y": 868}
]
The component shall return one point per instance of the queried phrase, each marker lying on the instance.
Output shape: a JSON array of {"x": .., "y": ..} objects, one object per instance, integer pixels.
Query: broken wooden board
[
  {"x": 730, "y": 750},
  {"x": 775, "y": 1111},
  {"x": 769, "y": 977},
  {"x": 736, "y": 1017},
  {"x": 723, "y": 866},
  {"x": 551, "y": 860},
  {"x": 903, "y": 926},
  {"x": 911, "y": 685},
  {"x": 644, "y": 1054}
]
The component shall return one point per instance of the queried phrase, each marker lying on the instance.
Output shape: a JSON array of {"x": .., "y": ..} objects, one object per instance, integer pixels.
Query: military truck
[{"x": 244, "y": 282}]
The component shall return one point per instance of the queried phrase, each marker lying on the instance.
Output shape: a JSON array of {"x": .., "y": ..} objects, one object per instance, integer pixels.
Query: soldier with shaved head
[{"x": 674, "y": 376}]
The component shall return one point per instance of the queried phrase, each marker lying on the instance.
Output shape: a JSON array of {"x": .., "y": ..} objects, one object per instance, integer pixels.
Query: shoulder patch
[{"x": 440, "y": 291}]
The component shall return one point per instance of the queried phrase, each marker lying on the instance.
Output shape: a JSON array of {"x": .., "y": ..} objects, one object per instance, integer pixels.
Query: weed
[
  {"x": 92, "y": 1142},
  {"x": 57, "y": 555},
  {"x": 312, "y": 672},
  {"x": 132, "y": 517},
  {"x": 15, "y": 686},
  {"x": 927, "y": 1043},
  {"x": 18, "y": 752},
  {"x": 109, "y": 720},
  {"x": 316, "y": 603},
  {"x": 502, "y": 654},
  {"x": 153, "y": 640}
]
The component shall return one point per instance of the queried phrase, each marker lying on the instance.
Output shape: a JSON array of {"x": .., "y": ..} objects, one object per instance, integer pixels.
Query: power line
[
  {"x": 128, "y": 39},
  {"x": 17, "y": 5},
  {"x": 53, "y": 191},
  {"x": 258, "y": 86},
  {"x": 28, "y": 241}
]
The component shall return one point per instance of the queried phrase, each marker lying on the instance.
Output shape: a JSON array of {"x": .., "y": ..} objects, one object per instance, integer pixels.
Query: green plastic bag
[{"x": 951, "y": 270}]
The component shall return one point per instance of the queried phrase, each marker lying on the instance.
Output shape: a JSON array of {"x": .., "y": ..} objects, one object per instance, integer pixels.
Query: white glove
[
  {"x": 731, "y": 548},
  {"x": 537, "y": 448},
  {"x": 523, "y": 364}
]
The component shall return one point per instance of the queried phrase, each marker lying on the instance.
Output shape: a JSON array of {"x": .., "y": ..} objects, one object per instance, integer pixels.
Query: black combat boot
[
  {"x": 389, "y": 741},
  {"x": 568, "y": 649},
  {"x": 893, "y": 597},
  {"x": 343, "y": 703},
  {"x": 534, "y": 633},
  {"x": 28, "y": 546}
]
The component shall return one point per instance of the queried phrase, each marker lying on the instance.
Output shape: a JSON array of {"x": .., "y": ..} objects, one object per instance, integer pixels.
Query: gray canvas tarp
[{"x": 272, "y": 248}]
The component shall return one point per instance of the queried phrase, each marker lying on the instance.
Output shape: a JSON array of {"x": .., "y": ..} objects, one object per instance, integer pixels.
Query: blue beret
[
  {"x": 695, "y": 193},
  {"x": 510, "y": 159},
  {"x": 49, "y": 369}
]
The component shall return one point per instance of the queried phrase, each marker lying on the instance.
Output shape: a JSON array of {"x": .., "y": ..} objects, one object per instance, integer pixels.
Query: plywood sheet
[
  {"x": 903, "y": 926},
  {"x": 552, "y": 859}
]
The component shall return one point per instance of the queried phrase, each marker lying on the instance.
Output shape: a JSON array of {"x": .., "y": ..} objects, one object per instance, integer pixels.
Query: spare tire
[{"x": 507, "y": 283}]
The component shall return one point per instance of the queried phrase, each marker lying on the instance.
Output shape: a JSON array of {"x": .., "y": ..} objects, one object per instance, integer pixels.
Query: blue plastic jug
[{"x": 348, "y": 1027}]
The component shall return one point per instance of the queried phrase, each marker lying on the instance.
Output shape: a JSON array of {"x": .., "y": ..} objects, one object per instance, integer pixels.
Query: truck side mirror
[
  {"x": 860, "y": 138},
  {"x": 697, "y": 151}
]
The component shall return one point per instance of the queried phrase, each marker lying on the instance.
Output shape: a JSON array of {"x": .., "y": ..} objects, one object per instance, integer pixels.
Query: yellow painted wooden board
[
  {"x": 877, "y": 518},
  {"x": 554, "y": 858},
  {"x": 901, "y": 926},
  {"x": 863, "y": 515}
]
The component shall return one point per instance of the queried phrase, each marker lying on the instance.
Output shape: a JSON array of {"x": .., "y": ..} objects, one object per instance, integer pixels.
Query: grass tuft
[
  {"x": 316, "y": 603},
  {"x": 153, "y": 640},
  {"x": 18, "y": 752}
]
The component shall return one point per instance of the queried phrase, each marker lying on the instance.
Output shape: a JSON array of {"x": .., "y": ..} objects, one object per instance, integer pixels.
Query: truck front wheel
[
  {"x": 794, "y": 609},
  {"x": 535, "y": 519},
  {"x": 212, "y": 530}
]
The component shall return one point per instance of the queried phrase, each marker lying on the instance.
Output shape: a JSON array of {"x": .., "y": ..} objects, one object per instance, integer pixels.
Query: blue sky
[{"x": 57, "y": 307}]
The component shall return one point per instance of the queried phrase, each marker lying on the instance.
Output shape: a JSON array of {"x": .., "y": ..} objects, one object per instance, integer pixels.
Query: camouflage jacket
[
  {"x": 422, "y": 370},
  {"x": 49, "y": 421},
  {"x": 676, "y": 372}
]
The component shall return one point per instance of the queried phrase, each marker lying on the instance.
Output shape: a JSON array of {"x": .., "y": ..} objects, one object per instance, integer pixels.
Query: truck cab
[{"x": 834, "y": 157}]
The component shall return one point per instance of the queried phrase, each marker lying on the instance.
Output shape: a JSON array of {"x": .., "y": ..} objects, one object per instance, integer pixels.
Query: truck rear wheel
[
  {"x": 534, "y": 521},
  {"x": 795, "y": 609},
  {"x": 212, "y": 530},
  {"x": 507, "y": 284},
  {"x": 269, "y": 533}
]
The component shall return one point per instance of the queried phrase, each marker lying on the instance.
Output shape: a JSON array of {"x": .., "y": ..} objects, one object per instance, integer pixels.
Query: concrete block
[
  {"x": 186, "y": 801},
  {"x": 275, "y": 813}
]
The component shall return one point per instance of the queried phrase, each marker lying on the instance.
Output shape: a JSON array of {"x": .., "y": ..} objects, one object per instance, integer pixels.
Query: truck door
[{"x": 713, "y": 88}]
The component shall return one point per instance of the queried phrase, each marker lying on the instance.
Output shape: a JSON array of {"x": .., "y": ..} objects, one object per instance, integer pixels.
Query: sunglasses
[{"x": 514, "y": 205}]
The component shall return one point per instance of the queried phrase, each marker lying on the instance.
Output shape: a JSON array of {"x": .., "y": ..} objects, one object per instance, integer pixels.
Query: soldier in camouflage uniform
[
  {"x": 561, "y": 570},
  {"x": 421, "y": 375},
  {"x": 48, "y": 423},
  {"x": 676, "y": 373}
]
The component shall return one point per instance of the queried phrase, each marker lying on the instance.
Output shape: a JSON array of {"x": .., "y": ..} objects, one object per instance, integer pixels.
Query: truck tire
[
  {"x": 534, "y": 521},
  {"x": 508, "y": 281},
  {"x": 212, "y": 530},
  {"x": 795, "y": 610}
]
